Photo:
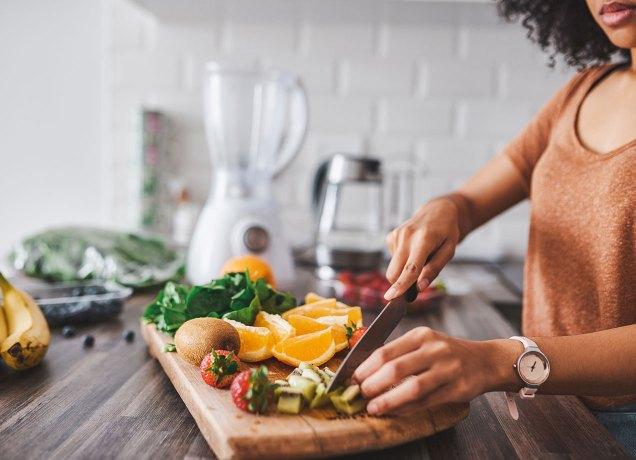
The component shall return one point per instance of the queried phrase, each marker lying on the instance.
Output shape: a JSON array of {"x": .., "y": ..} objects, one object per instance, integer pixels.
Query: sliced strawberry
[
  {"x": 354, "y": 333},
  {"x": 251, "y": 390},
  {"x": 218, "y": 368}
]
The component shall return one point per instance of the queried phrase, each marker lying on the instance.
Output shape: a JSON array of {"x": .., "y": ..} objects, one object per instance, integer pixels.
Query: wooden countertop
[{"x": 114, "y": 401}]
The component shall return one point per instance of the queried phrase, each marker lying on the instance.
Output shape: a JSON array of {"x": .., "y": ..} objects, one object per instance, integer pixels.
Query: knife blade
[{"x": 375, "y": 336}]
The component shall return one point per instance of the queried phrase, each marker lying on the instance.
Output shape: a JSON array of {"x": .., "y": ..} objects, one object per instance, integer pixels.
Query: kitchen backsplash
[{"x": 440, "y": 86}]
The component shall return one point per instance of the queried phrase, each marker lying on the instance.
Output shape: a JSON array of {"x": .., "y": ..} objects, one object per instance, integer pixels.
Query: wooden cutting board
[{"x": 232, "y": 433}]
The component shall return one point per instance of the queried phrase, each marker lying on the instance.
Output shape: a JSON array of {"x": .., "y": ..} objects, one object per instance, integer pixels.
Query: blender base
[{"x": 222, "y": 232}]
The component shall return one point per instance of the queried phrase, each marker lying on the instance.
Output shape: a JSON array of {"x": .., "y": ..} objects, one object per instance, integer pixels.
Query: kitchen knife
[{"x": 374, "y": 337}]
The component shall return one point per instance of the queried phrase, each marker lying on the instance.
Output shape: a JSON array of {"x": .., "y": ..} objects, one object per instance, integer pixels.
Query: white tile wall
[{"x": 442, "y": 85}]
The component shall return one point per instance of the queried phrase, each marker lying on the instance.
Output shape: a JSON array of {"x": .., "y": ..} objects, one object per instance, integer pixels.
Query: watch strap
[
  {"x": 526, "y": 342},
  {"x": 512, "y": 405}
]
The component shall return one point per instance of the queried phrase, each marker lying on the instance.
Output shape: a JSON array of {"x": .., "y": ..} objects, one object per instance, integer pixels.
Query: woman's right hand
[{"x": 422, "y": 246}]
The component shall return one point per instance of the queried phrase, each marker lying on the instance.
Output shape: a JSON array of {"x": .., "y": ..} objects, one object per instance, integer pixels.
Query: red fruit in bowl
[
  {"x": 365, "y": 278},
  {"x": 346, "y": 277},
  {"x": 218, "y": 368},
  {"x": 350, "y": 293}
]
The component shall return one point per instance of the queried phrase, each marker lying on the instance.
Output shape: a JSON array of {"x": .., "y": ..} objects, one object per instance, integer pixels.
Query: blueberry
[
  {"x": 128, "y": 335},
  {"x": 68, "y": 332},
  {"x": 88, "y": 341}
]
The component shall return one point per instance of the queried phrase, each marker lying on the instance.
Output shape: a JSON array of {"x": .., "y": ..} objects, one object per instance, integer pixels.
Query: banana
[
  {"x": 3, "y": 326},
  {"x": 28, "y": 334}
]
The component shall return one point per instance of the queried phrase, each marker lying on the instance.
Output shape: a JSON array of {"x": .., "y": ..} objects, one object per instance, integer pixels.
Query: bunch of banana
[{"x": 24, "y": 333}]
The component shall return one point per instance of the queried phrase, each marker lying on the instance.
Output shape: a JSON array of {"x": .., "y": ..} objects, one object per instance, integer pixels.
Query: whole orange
[{"x": 256, "y": 266}]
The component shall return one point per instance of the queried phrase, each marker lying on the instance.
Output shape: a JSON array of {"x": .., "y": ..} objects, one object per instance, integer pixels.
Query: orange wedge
[
  {"x": 307, "y": 325},
  {"x": 312, "y": 297},
  {"x": 341, "y": 320},
  {"x": 256, "y": 342},
  {"x": 316, "y": 348},
  {"x": 326, "y": 307},
  {"x": 279, "y": 328}
]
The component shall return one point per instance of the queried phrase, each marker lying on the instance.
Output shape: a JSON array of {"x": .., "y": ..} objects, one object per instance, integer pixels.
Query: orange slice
[
  {"x": 339, "y": 334},
  {"x": 326, "y": 308},
  {"x": 307, "y": 325},
  {"x": 312, "y": 297},
  {"x": 256, "y": 342},
  {"x": 279, "y": 328},
  {"x": 316, "y": 348}
]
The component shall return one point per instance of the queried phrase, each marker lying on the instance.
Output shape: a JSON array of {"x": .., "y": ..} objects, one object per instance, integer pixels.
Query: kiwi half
[{"x": 199, "y": 336}]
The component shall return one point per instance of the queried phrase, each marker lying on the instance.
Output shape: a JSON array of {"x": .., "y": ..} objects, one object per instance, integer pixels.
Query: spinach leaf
[
  {"x": 245, "y": 315},
  {"x": 203, "y": 300}
]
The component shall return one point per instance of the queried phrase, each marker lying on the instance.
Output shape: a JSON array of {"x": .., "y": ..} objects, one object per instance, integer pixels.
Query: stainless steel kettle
[{"x": 348, "y": 207}]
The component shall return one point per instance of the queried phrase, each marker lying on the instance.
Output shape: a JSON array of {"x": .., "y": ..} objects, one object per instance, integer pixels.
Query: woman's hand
[
  {"x": 425, "y": 368},
  {"x": 422, "y": 246}
]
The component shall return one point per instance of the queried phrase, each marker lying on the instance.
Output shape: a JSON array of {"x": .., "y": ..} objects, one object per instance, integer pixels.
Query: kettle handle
[
  {"x": 318, "y": 187},
  {"x": 298, "y": 116}
]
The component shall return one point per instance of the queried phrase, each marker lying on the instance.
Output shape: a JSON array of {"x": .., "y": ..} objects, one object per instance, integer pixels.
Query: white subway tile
[
  {"x": 418, "y": 117},
  {"x": 423, "y": 14},
  {"x": 255, "y": 38},
  {"x": 532, "y": 82},
  {"x": 488, "y": 119},
  {"x": 339, "y": 11},
  {"x": 454, "y": 78},
  {"x": 340, "y": 40},
  {"x": 506, "y": 42},
  {"x": 262, "y": 11},
  {"x": 410, "y": 41},
  {"x": 318, "y": 76},
  {"x": 453, "y": 156},
  {"x": 341, "y": 115},
  {"x": 380, "y": 77},
  {"x": 390, "y": 148}
]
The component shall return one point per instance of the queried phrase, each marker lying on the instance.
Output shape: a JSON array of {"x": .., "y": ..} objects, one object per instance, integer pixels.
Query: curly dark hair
[{"x": 563, "y": 27}]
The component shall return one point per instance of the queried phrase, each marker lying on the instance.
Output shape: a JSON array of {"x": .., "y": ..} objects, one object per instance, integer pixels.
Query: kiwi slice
[
  {"x": 320, "y": 398},
  {"x": 350, "y": 393},
  {"x": 347, "y": 407},
  {"x": 306, "y": 386},
  {"x": 290, "y": 400}
]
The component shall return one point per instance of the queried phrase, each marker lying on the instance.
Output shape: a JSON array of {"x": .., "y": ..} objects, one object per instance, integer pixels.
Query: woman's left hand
[{"x": 426, "y": 368}]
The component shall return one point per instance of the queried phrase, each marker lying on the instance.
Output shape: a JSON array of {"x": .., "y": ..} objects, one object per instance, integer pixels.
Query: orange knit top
[{"x": 580, "y": 273}]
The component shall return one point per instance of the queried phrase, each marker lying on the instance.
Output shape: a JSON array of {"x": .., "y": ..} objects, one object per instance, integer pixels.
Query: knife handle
[{"x": 411, "y": 293}]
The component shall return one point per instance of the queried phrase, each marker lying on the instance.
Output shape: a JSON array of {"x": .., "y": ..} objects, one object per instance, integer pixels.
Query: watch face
[{"x": 533, "y": 368}]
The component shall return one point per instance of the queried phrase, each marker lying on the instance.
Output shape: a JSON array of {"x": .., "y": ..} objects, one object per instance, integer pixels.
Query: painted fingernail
[
  {"x": 388, "y": 295},
  {"x": 423, "y": 284}
]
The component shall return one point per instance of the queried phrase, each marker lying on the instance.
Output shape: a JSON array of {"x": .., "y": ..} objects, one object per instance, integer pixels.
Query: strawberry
[
  {"x": 354, "y": 333},
  {"x": 218, "y": 368},
  {"x": 251, "y": 390}
]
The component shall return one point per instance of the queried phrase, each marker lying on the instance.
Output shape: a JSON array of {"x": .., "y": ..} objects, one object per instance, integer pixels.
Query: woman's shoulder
[{"x": 584, "y": 79}]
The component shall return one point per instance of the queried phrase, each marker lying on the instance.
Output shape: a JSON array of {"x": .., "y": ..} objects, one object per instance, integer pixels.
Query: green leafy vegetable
[
  {"x": 245, "y": 315},
  {"x": 76, "y": 253},
  {"x": 234, "y": 296},
  {"x": 169, "y": 348}
]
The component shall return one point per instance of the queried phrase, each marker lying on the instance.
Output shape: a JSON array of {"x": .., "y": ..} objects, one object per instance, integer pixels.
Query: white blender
[{"x": 255, "y": 121}]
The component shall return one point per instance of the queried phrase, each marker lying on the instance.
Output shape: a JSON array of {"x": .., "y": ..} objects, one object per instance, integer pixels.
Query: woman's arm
[
  {"x": 428, "y": 368},
  {"x": 426, "y": 242}
]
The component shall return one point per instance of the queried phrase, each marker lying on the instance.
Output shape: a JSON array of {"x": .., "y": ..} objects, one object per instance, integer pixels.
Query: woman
[{"x": 576, "y": 161}]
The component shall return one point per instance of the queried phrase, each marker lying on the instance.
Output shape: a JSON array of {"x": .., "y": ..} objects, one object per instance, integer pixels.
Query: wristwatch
[{"x": 533, "y": 368}]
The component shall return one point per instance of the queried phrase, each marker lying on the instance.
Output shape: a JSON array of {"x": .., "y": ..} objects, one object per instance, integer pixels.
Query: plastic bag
[{"x": 81, "y": 253}]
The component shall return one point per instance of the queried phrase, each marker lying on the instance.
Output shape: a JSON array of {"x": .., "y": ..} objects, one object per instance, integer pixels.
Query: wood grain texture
[
  {"x": 233, "y": 433},
  {"x": 115, "y": 401}
]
